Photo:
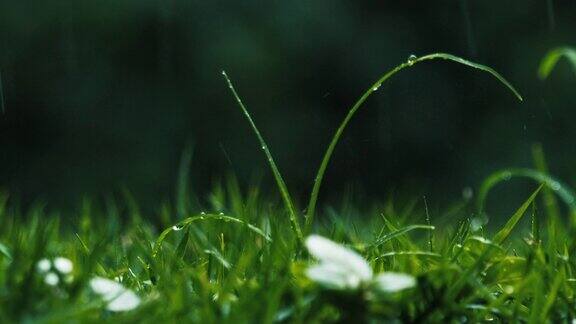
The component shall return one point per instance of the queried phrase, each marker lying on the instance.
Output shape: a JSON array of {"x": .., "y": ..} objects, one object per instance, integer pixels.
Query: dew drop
[
  {"x": 202, "y": 213},
  {"x": 177, "y": 227},
  {"x": 376, "y": 87},
  {"x": 221, "y": 214},
  {"x": 467, "y": 193},
  {"x": 412, "y": 59},
  {"x": 507, "y": 175},
  {"x": 555, "y": 186}
]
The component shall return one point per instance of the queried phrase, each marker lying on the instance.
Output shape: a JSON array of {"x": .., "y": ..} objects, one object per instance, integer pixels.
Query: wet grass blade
[
  {"x": 387, "y": 237},
  {"x": 411, "y": 61},
  {"x": 188, "y": 221},
  {"x": 551, "y": 59},
  {"x": 560, "y": 189},
  {"x": 288, "y": 202},
  {"x": 511, "y": 223}
]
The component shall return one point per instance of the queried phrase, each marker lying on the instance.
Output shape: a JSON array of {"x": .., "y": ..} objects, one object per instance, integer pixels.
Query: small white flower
[
  {"x": 44, "y": 265},
  {"x": 117, "y": 297},
  {"x": 343, "y": 269},
  {"x": 393, "y": 282},
  {"x": 339, "y": 266},
  {"x": 63, "y": 265},
  {"x": 51, "y": 279}
]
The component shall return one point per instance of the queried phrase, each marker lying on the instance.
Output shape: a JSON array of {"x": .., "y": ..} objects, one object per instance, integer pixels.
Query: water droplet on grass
[
  {"x": 467, "y": 193},
  {"x": 412, "y": 59},
  {"x": 376, "y": 87},
  {"x": 177, "y": 227}
]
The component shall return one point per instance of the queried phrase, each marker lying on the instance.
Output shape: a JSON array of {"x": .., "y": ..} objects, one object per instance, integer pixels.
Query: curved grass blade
[
  {"x": 409, "y": 253},
  {"x": 552, "y": 57},
  {"x": 399, "y": 232},
  {"x": 562, "y": 190},
  {"x": 188, "y": 221},
  {"x": 288, "y": 202},
  {"x": 411, "y": 61},
  {"x": 511, "y": 223}
]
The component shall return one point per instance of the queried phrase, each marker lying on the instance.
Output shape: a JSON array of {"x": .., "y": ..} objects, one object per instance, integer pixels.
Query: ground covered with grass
[
  {"x": 249, "y": 257},
  {"x": 389, "y": 264}
]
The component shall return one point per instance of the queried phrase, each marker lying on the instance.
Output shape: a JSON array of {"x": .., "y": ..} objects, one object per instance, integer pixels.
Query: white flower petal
[
  {"x": 391, "y": 282},
  {"x": 333, "y": 277},
  {"x": 118, "y": 297},
  {"x": 63, "y": 265},
  {"x": 51, "y": 279},
  {"x": 339, "y": 256},
  {"x": 43, "y": 265},
  {"x": 126, "y": 301},
  {"x": 105, "y": 287}
]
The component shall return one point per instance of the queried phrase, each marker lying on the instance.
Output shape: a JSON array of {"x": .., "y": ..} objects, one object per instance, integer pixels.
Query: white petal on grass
[
  {"x": 391, "y": 282},
  {"x": 118, "y": 297},
  {"x": 63, "y": 265},
  {"x": 333, "y": 277},
  {"x": 43, "y": 265},
  {"x": 335, "y": 254},
  {"x": 51, "y": 279}
]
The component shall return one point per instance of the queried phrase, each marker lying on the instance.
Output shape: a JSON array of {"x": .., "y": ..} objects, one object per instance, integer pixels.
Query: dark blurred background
[{"x": 102, "y": 95}]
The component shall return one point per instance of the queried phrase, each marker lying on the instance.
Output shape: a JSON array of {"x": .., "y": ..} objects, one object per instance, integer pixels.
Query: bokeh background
[{"x": 104, "y": 95}]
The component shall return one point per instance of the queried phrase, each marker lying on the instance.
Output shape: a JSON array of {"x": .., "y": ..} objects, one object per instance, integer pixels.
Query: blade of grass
[
  {"x": 562, "y": 190},
  {"x": 511, "y": 223},
  {"x": 4, "y": 250},
  {"x": 552, "y": 57},
  {"x": 411, "y": 61},
  {"x": 548, "y": 197},
  {"x": 387, "y": 237},
  {"x": 188, "y": 221},
  {"x": 288, "y": 202}
]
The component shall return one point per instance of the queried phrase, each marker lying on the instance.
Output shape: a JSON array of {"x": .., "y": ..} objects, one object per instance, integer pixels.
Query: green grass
[
  {"x": 244, "y": 266},
  {"x": 241, "y": 259}
]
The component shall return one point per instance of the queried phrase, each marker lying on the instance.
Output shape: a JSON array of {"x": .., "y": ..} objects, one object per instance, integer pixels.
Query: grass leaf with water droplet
[
  {"x": 412, "y": 60},
  {"x": 288, "y": 202},
  {"x": 562, "y": 190},
  {"x": 188, "y": 221}
]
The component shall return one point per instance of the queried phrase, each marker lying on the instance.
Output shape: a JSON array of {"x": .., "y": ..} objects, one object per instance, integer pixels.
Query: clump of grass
[
  {"x": 309, "y": 217},
  {"x": 236, "y": 262},
  {"x": 243, "y": 266}
]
